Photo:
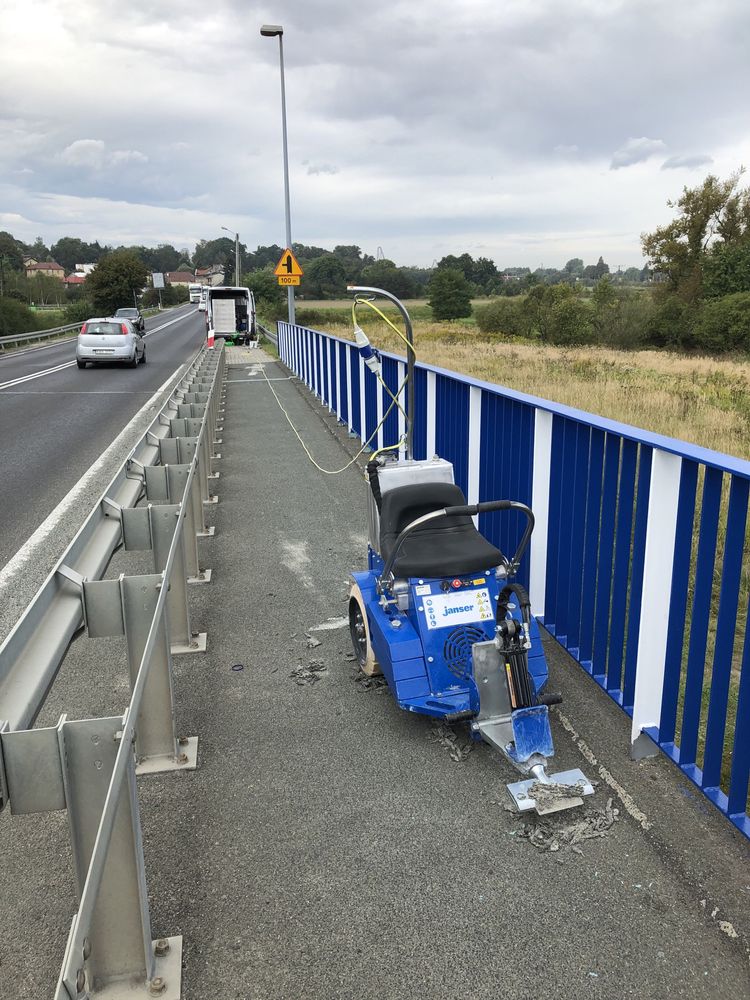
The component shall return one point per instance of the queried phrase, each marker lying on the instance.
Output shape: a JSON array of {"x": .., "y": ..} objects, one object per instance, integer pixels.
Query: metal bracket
[
  {"x": 134, "y": 463},
  {"x": 493, "y": 721},
  {"x": 116, "y": 507}
]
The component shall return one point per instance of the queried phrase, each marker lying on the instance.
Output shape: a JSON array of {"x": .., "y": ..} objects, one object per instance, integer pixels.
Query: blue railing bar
[
  {"x": 701, "y": 613},
  {"x": 721, "y": 669}
]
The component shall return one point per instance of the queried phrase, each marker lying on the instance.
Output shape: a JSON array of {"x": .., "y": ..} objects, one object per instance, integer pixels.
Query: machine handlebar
[{"x": 479, "y": 508}]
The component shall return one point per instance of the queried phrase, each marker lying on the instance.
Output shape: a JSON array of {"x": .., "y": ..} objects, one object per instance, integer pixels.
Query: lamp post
[
  {"x": 236, "y": 255},
  {"x": 272, "y": 31}
]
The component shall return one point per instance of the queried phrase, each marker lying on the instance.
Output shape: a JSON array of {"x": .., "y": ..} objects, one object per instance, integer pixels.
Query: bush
[
  {"x": 621, "y": 317},
  {"x": 79, "y": 311},
  {"x": 450, "y": 294},
  {"x": 15, "y": 318},
  {"x": 671, "y": 323},
  {"x": 501, "y": 316},
  {"x": 557, "y": 315},
  {"x": 724, "y": 324}
]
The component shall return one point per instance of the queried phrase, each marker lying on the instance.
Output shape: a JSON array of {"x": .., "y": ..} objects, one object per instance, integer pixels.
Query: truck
[
  {"x": 230, "y": 313},
  {"x": 194, "y": 292}
]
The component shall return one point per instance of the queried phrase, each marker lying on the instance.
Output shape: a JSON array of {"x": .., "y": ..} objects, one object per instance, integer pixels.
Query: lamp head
[{"x": 271, "y": 30}]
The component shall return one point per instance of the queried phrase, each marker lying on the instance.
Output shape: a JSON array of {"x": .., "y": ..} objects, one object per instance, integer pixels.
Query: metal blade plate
[{"x": 519, "y": 792}]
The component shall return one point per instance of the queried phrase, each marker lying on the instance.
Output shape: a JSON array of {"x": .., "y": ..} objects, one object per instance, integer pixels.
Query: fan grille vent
[{"x": 457, "y": 649}]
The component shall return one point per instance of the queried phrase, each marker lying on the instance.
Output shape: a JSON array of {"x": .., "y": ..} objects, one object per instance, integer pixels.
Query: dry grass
[{"x": 698, "y": 399}]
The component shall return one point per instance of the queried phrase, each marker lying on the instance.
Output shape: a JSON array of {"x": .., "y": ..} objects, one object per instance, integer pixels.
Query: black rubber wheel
[
  {"x": 133, "y": 363},
  {"x": 143, "y": 358},
  {"x": 360, "y": 633},
  {"x": 81, "y": 364}
]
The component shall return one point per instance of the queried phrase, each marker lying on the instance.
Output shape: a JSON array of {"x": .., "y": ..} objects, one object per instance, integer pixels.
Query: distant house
[
  {"x": 84, "y": 269},
  {"x": 28, "y": 259},
  {"x": 75, "y": 279},
  {"x": 50, "y": 268},
  {"x": 184, "y": 278},
  {"x": 213, "y": 275}
]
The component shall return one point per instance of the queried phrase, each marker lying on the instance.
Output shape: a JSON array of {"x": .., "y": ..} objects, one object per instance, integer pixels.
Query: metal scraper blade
[{"x": 554, "y": 798}]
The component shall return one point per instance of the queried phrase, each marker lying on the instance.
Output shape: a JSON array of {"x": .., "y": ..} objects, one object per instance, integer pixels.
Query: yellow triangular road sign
[{"x": 288, "y": 265}]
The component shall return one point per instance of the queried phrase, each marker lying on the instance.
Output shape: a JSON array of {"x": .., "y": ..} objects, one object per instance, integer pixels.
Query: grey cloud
[
  {"x": 636, "y": 151},
  {"x": 314, "y": 169},
  {"x": 675, "y": 162}
]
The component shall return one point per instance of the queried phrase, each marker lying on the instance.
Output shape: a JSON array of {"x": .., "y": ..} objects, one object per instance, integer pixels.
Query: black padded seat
[{"x": 448, "y": 546}]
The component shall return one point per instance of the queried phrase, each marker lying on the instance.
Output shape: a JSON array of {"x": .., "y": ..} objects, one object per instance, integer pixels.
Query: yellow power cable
[
  {"x": 335, "y": 472},
  {"x": 395, "y": 401}
]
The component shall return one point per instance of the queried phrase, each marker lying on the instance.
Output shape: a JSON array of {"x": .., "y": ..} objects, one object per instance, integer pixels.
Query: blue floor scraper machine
[{"x": 439, "y": 613}]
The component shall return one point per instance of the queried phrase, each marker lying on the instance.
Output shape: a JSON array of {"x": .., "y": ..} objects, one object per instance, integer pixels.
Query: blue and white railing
[{"x": 639, "y": 554}]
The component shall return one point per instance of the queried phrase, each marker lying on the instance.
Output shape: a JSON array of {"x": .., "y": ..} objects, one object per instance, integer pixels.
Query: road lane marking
[
  {"x": 27, "y": 552},
  {"x": 69, "y": 364}
]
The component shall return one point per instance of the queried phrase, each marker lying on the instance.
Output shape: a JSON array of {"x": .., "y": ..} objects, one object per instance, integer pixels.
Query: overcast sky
[{"x": 528, "y": 132}]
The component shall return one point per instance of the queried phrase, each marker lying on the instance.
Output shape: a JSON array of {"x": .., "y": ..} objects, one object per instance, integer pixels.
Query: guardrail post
[
  {"x": 152, "y": 528},
  {"x": 126, "y": 607},
  {"x": 69, "y": 766}
]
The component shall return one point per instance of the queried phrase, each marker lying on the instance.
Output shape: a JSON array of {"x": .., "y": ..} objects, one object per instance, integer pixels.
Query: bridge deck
[{"x": 328, "y": 846}]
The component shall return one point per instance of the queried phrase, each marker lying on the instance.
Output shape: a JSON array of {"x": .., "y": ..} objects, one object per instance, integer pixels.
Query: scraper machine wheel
[{"x": 360, "y": 633}]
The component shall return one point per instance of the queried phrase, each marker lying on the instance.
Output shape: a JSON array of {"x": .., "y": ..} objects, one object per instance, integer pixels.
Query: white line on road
[
  {"x": 28, "y": 550},
  {"x": 69, "y": 364}
]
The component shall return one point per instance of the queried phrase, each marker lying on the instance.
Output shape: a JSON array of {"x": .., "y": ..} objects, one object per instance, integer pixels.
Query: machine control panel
[{"x": 445, "y": 610}]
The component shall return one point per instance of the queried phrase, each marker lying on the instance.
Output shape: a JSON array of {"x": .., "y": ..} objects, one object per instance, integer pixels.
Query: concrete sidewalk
[{"x": 329, "y": 845}]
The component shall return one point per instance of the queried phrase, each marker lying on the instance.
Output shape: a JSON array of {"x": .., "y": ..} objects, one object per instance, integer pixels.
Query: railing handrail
[
  {"x": 19, "y": 338},
  {"x": 694, "y": 452}
]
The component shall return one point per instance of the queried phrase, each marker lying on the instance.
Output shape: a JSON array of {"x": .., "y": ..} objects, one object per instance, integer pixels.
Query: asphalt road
[
  {"x": 328, "y": 847},
  {"x": 57, "y": 420}
]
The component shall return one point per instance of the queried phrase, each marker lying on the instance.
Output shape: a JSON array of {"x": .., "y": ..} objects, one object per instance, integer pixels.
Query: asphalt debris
[
  {"x": 551, "y": 794},
  {"x": 309, "y": 673},
  {"x": 365, "y": 683},
  {"x": 458, "y": 749},
  {"x": 558, "y": 834}
]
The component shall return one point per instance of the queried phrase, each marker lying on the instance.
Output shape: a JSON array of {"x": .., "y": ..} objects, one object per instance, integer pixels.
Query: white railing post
[{"x": 658, "y": 560}]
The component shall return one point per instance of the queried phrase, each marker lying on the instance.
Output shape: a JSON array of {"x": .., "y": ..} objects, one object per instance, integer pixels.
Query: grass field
[{"x": 699, "y": 399}]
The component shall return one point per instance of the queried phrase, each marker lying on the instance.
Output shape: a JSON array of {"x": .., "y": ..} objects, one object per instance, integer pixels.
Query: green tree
[
  {"x": 464, "y": 264},
  {"x": 484, "y": 273},
  {"x": 726, "y": 269},
  {"x": 117, "y": 277},
  {"x": 724, "y": 324},
  {"x": 384, "y": 274},
  {"x": 269, "y": 296},
  {"x": 325, "y": 277},
  {"x": 11, "y": 259},
  {"x": 450, "y": 294},
  {"x": 15, "y": 317},
  {"x": 715, "y": 211},
  {"x": 575, "y": 267},
  {"x": 69, "y": 251}
]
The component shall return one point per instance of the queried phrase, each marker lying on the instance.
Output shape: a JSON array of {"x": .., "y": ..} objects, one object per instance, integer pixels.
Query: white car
[{"x": 110, "y": 339}]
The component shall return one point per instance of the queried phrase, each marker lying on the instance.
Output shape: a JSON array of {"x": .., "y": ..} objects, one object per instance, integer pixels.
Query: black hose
[
  {"x": 523, "y": 602},
  {"x": 372, "y": 475}
]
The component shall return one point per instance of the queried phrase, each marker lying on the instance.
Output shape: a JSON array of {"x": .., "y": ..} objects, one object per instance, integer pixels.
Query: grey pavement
[{"x": 329, "y": 846}]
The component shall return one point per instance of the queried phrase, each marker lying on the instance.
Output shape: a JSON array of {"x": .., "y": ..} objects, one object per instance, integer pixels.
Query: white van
[{"x": 230, "y": 313}]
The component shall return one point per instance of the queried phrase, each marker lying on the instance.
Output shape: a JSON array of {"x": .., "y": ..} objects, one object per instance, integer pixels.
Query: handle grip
[{"x": 478, "y": 508}]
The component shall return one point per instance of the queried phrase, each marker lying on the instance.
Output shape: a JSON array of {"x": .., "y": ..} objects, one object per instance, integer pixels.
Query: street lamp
[
  {"x": 236, "y": 255},
  {"x": 271, "y": 31}
]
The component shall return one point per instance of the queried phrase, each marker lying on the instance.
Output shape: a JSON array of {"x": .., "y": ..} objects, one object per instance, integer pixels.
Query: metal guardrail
[
  {"x": 269, "y": 334},
  {"x": 89, "y": 767},
  {"x": 639, "y": 562},
  {"x": 22, "y": 338}
]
